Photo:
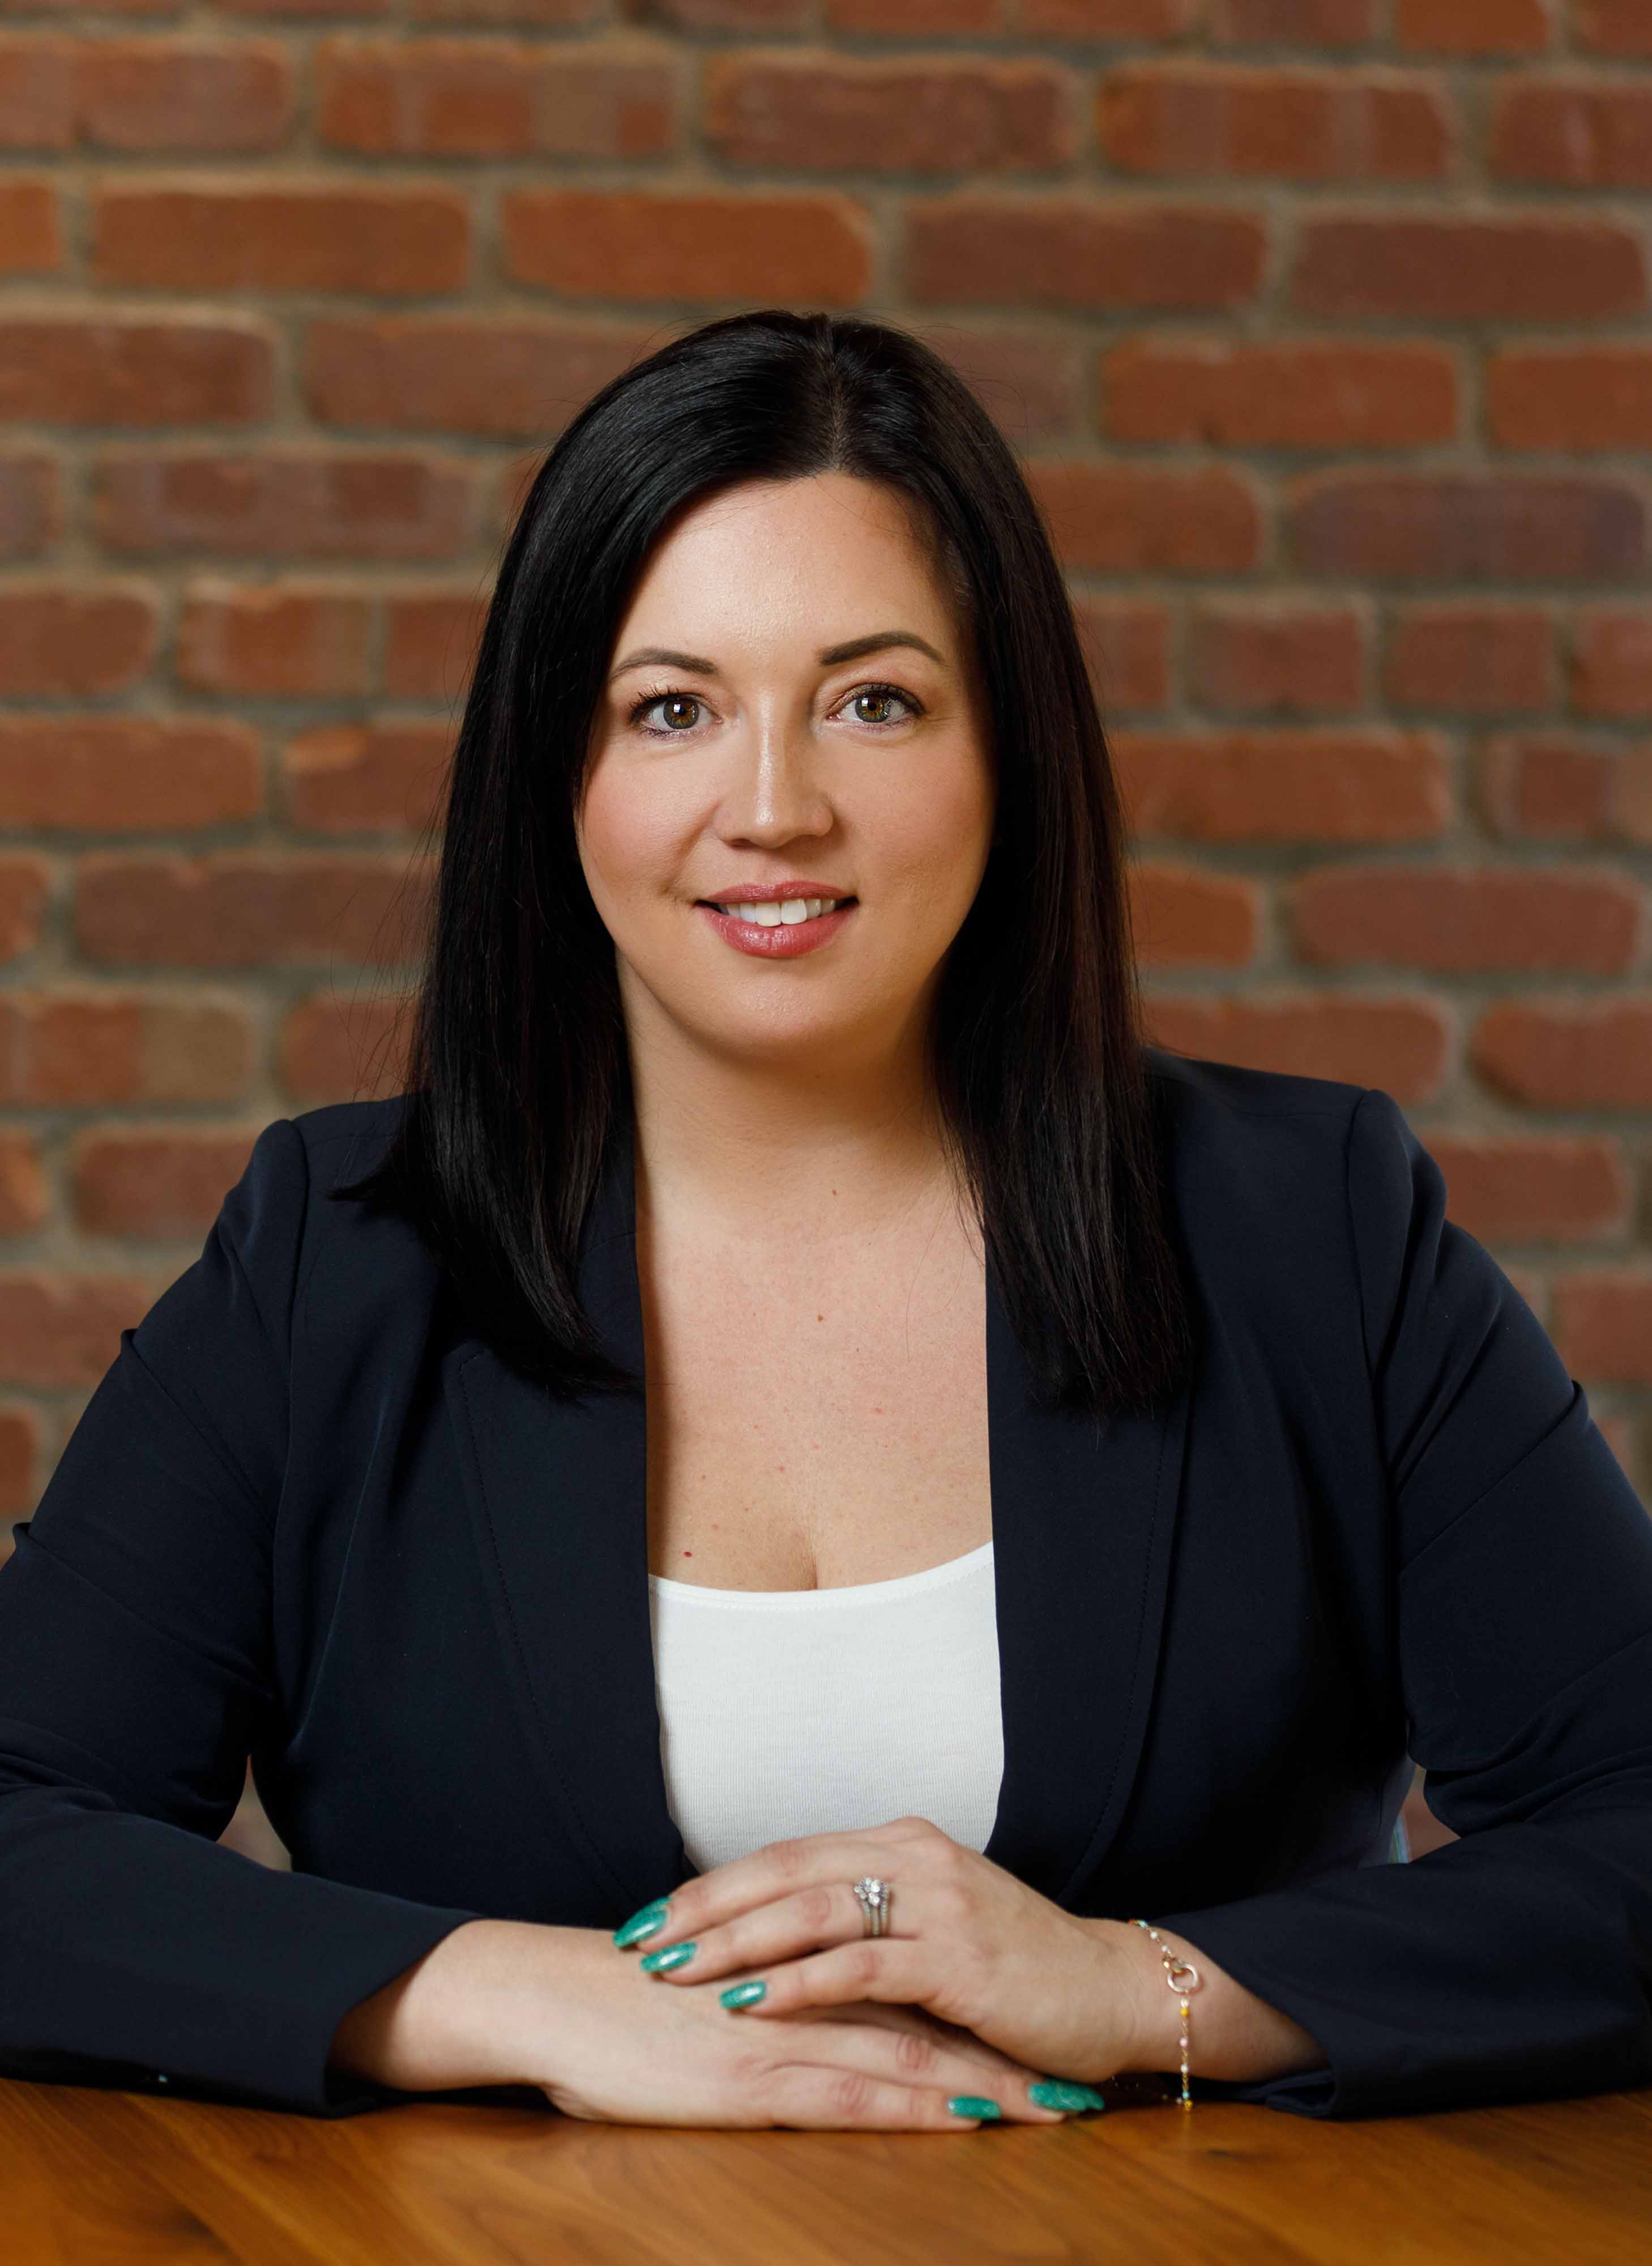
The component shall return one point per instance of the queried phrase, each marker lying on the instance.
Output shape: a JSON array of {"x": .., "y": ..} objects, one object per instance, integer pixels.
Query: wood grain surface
[{"x": 110, "y": 2177}]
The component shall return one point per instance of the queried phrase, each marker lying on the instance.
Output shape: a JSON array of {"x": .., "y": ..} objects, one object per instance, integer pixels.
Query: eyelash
[{"x": 639, "y": 707}]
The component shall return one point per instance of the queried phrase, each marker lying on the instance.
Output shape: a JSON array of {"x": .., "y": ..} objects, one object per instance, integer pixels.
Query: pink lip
[
  {"x": 770, "y": 893},
  {"x": 787, "y": 939}
]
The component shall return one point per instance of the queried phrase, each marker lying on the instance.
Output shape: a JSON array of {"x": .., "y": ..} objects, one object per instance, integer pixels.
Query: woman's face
[{"x": 741, "y": 744}]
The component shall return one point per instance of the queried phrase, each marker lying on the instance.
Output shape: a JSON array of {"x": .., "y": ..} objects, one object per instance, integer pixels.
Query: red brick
[
  {"x": 282, "y": 236},
  {"x": 524, "y": 376},
  {"x": 1284, "y": 786},
  {"x": 1127, "y": 649},
  {"x": 430, "y": 643},
  {"x": 1182, "y": 918},
  {"x": 1291, "y": 125},
  {"x": 74, "y": 637},
  {"x": 1257, "y": 657},
  {"x": 25, "y": 886},
  {"x": 24, "y": 1197},
  {"x": 1631, "y": 796},
  {"x": 915, "y": 20},
  {"x": 78, "y": 370},
  {"x": 31, "y": 231},
  {"x": 1574, "y": 1053},
  {"x": 353, "y": 779},
  {"x": 1308, "y": 393},
  {"x": 1450, "y": 527},
  {"x": 1532, "y": 1188},
  {"x": 493, "y": 98},
  {"x": 81, "y": 1048},
  {"x": 1472, "y": 27},
  {"x": 1612, "y": 27},
  {"x": 248, "y": 909},
  {"x": 20, "y": 1443},
  {"x": 1124, "y": 518},
  {"x": 1029, "y": 380},
  {"x": 127, "y": 772},
  {"x": 199, "y": 95},
  {"x": 30, "y": 504},
  {"x": 1550, "y": 786},
  {"x": 1476, "y": 660},
  {"x": 1106, "y": 20},
  {"x": 1400, "y": 1044},
  {"x": 65, "y": 1329},
  {"x": 1603, "y": 1325},
  {"x": 1573, "y": 134},
  {"x": 1456, "y": 920},
  {"x": 542, "y": 15},
  {"x": 727, "y": 15},
  {"x": 684, "y": 244},
  {"x": 280, "y": 640},
  {"x": 1570, "y": 398},
  {"x": 1611, "y": 669},
  {"x": 335, "y": 1048},
  {"x": 155, "y": 1181},
  {"x": 1292, "y": 23},
  {"x": 914, "y": 116},
  {"x": 37, "y": 94},
  {"x": 1441, "y": 266},
  {"x": 1082, "y": 254},
  {"x": 291, "y": 503}
]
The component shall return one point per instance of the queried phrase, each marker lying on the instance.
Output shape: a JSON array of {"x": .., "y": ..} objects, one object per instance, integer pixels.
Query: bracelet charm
[{"x": 1183, "y": 1978}]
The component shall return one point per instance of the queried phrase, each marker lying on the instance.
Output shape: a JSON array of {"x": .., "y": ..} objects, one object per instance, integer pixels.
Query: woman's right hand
[{"x": 619, "y": 2046}]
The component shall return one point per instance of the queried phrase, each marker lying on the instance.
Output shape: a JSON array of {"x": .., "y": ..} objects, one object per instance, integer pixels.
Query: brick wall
[{"x": 1323, "y": 328}]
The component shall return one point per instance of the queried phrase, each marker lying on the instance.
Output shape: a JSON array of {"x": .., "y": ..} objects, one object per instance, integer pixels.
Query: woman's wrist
[
  {"x": 466, "y": 2013},
  {"x": 1231, "y": 2033}
]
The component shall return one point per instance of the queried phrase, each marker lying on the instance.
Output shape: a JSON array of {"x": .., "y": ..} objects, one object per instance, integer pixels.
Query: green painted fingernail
[
  {"x": 646, "y": 1922},
  {"x": 742, "y": 1994},
  {"x": 674, "y": 1955},
  {"x": 1061, "y": 2093},
  {"x": 973, "y": 2104}
]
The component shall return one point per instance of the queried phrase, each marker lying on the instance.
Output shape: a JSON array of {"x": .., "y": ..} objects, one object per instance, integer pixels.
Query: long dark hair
[{"x": 518, "y": 1070}]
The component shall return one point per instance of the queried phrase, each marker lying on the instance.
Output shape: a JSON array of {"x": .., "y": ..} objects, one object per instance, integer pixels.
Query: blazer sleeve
[
  {"x": 1517, "y": 1962},
  {"x": 135, "y": 1674}
]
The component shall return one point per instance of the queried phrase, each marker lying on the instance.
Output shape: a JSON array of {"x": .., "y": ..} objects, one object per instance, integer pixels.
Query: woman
[{"x": 801, "y": 1445}]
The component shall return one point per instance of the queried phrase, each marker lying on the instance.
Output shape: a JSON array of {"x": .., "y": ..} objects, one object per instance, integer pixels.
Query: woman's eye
[
  {"x": 882, "y": 694},
  {"x": 676, "y": 722},
  {"x": 663, "y": 701}
]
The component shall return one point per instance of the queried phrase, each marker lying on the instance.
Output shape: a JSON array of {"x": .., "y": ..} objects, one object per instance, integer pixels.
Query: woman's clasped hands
[{"x": 983, "y": 1998}]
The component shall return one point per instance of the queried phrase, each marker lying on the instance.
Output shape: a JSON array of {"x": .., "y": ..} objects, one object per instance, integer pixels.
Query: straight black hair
[{"x": 518, "y": 1069}]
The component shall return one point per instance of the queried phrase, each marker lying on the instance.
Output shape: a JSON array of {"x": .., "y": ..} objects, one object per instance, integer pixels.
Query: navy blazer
[{"x": 310, "y": 1516}]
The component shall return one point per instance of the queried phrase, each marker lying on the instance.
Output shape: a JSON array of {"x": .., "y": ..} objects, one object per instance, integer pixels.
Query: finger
[
  {"x": 953, "y": 2034},
  {"x": 897, "y": 1852},
  {"x": 910, "y": 2057},
  {"x": 816, "y": 2100},
  {"x": 811, "y": 1920},
  {"x": 892, "y": 1967}
]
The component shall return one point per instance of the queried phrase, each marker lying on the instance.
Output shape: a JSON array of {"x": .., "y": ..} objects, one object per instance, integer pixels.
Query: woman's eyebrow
[{"x": 659, "y": 656}]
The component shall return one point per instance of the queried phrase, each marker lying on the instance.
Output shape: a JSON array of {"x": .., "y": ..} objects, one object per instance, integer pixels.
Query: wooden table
[{"x": 89, "y": 2178}]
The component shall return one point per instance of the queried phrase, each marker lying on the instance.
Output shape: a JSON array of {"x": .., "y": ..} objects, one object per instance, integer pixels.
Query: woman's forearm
[
  {"x": 457, "y": 2016},
  {"x": 1232, "y": 2034}
]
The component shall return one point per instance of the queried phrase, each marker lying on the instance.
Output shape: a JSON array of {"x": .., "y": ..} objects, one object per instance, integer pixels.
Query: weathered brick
[
  {"x": 1292, "y": 23},
  {"x": 1548, "y": 785},
  {"x": 1181, "y": 917},
  {"x": 1455, "y": 920},
  {"x": 918, "y": 19},
  {"x": 353, "y": 779},
  {"x": 108, "y": 773},
  {"x": 494, "y": 97},
  {"x": 74, "y": 370},
  {"x": 37, "y": 94},
  {"x": 275, "y": 639},
  {"x": 1081, "y": 253},
  {"x": 509, "y": 376},
  {"x": 25, "y": 886},
  {"x": 1281, "y": 657},
  {"x": 1401, "y": 1044},
  {"x": 200, "y": 96},
  {"x": 65, "y": 1329},
  {"x": 914, "y": 116},
  {"x": 678, "y": 245},
  {"x": 1288, "y": 784},
  {"x": 1472, "y": 27},
  {"x": 1280, "y": 393},
  {"x": 1118, "y": 518},
  {"x": 1570, "y": 397},
  {"x": 31, "y": 503},
  {"x": 1533, "y": 1188},
  {"x": 1106, "y": 20},
  {"x": 1574, "y": 1053},
  {"x": 1573, "y": 134},
  {"x": 1446, "y": 267},
  {"x": 31, "y": 229},
  {"x": 1601, "y": 1324},
  {"x": 1451, "y": 527},
  {"x": 1127, "y": 648},
  {"x": 282, "y": 236},
  {"x": 20, "y": 1447},
  {"x": 154, "y": 1180},
  {"x": 24, "y": 1197},
  {"x": 1293, "y": 125},
  {"x": 74, "y": 638},
  {"x": 287, "y": 503},
  {"x": 1611, "y": 663},
  {"x": 80, "y": 1047},
  {"x": 249, "y": 908},
  {"x": 1476, "y": 660},
  {"x": 430, "y": 642},
  {"x": 1612, "y": 27},
  {"x": 344, "y": 1048},
  {"x": 1029, "y": 380}
]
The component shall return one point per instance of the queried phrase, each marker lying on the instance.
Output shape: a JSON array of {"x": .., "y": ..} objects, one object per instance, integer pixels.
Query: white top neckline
[{"x": 852, "y": 1593}]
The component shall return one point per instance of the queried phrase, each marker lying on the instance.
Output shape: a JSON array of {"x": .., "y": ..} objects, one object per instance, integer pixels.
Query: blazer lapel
[{"x": 1082, "y": 1518}]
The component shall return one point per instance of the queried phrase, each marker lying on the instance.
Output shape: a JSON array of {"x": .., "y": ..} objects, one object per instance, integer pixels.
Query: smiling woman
[{"x": 803, "y": 1442}]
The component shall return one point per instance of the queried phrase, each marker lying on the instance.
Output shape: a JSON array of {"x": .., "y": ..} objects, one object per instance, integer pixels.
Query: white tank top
[{"x": 784, "y": 1712}]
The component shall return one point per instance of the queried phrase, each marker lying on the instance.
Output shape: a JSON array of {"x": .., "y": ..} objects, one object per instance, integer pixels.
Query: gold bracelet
[{"x": 1183, "y": 1978}]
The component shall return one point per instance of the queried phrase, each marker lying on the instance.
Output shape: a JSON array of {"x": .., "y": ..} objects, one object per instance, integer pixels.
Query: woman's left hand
[{"x": 967, "y": 1941}]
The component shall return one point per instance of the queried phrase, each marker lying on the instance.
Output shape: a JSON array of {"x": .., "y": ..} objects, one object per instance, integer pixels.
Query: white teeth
[{"x": 788, "y": 910}]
